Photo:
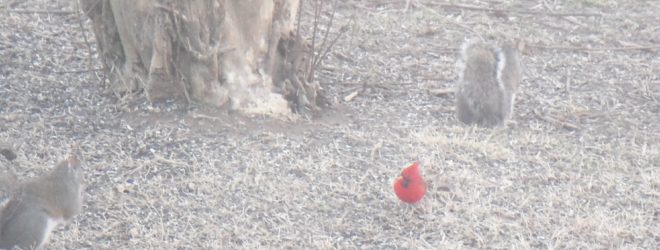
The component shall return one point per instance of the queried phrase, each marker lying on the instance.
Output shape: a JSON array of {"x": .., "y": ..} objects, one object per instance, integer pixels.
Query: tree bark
[{"x": 240, "y": 53}]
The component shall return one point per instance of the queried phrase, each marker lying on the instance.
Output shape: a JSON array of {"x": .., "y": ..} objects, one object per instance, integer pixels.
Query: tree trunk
[{"x": 241, "y": 53}]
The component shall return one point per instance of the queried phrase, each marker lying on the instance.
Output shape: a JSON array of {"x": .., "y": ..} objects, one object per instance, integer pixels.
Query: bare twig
[
  {"x": 352, "y": 95},
  {"x": 572, "y": 48},
  {"x": 524, "y": 12},
  {"x": 84, "y": 34},
  {"x": 441, "y": 92},
  {"x": 317, "y": 13},
  {"x": 376, "y": 150},
  {"x": 37, "y": 11},
  {"x": 449, "y": 20},
  {"x": 78, "y": 71},
  {"x": 300, "y": 7},
  {"x": 342, "y": 31},
  {"x": 212, "y": 118},
  {"x": 558, "y": 121},
  {"x": 162, "y": 159},
  {"x": 325, "y": 47},
  {"x": 327, "y": 32}
]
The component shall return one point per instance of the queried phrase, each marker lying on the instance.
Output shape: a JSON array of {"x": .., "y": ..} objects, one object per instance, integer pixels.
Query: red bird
[{"x": 409, "y": 186}]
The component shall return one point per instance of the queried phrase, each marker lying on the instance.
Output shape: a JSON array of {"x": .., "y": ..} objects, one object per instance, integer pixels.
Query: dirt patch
[{"x": 187, "y": 177}]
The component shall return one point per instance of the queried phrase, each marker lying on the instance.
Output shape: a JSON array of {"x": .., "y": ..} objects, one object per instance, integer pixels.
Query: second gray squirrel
[
  {"x": 40, "y": 205},
  {"x": 489, "y": 76}
]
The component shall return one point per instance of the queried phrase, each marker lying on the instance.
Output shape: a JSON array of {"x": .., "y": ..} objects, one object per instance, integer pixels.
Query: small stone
[{"x": 7, "y": 151}]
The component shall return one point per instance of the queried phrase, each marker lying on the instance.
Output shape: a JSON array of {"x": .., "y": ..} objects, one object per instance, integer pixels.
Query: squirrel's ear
[
  {"x": 520, "y": 45},
  {"x": 73, "y": 160},
  {"x": 73, "y": 155}
]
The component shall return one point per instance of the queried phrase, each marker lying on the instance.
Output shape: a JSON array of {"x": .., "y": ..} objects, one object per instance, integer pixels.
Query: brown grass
[{"x": 166, "y": 176}]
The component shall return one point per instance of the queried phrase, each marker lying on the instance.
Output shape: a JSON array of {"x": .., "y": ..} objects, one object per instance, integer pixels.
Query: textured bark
[{"x": 240, "y": 53}]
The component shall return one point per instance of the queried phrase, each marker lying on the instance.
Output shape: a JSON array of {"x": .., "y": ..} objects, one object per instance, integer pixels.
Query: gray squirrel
[
  {"x": 489, "y": 75},
  {"x": 40, "y": 205}
]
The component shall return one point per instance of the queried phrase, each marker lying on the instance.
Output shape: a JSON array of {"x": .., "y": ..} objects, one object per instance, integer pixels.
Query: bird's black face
[{"x": 406, "y": 182}]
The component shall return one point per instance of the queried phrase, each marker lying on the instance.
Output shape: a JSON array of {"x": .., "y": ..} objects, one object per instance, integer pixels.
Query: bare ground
[{"x": 577, "y": 168}]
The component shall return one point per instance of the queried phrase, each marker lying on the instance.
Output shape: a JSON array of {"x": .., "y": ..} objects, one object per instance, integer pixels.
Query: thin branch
[
  {"x": 300, "y": 7},
  {"x": 39, "y": 11},
  {"x": 317, "y": 13},
  {"x": 572, "y": 48},
  {"x": 316, "y": 60},
  {"x": 558, "y": 121},
  {"x": 442, "y": 92},
  {"x": 342, "y": 31},
  {"x": 524, "y": 12},
  {"x": 78, "y": 71},
  {"x": 449, "y": 20},
  {"x": 486, "y": 9},
  {"x": 82, "y": 30}
]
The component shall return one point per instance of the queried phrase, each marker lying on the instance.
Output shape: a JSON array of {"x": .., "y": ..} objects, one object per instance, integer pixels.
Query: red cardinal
[{"x": 409, "y": 186}]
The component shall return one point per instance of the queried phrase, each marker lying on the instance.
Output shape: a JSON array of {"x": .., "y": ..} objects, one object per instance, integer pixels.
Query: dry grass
[{"x": 166, "y": 177}]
